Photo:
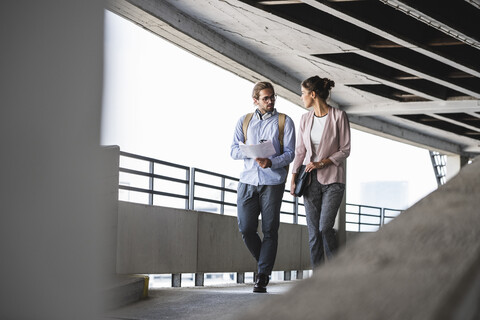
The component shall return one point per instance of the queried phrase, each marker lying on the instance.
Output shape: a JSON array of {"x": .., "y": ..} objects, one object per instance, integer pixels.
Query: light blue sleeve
[{"x": 238, "y": 136}]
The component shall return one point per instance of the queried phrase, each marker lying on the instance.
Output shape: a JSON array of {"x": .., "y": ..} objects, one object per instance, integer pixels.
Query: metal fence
[
  {"x": 362, "y": 218},
  {"x": 155, "y": 182}
]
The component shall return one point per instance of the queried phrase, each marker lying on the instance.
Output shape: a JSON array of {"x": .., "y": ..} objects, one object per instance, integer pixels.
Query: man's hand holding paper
[{"x": 261, "y": 150}]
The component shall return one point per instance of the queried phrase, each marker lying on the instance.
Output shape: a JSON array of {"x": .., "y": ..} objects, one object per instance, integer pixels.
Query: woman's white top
[{"x": 317, "y": 131}]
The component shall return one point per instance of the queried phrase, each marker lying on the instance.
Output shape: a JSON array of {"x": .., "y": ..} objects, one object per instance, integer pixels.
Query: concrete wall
[
  {"x": 220, "y": 245},
  {"x": 51, "y": 66},
  {"x": 108, "y": 174},
  {"x": 155, "y": 240}
]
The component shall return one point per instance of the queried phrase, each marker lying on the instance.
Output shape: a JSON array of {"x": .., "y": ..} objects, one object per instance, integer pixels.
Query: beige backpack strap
[
  {"x": 246, "y": 121},
  {"x": 281, "y": 128}
]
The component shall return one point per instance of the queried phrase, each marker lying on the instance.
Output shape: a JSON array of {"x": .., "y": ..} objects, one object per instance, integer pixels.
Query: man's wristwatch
[{"x": 321, "y": 164}]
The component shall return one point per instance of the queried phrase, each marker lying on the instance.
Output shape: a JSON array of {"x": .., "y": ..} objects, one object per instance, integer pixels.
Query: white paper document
[{"x": 262, "y": 150}]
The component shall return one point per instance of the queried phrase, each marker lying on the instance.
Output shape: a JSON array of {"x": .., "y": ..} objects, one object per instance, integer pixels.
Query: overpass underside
[{"x": 403, "y": 70}]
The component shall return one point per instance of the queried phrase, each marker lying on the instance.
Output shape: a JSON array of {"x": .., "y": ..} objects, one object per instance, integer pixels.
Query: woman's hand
[
  {"x": 317, "y": 165},
  {"x": 312, "y": 166},
  {"x": 293, "y": 184}
]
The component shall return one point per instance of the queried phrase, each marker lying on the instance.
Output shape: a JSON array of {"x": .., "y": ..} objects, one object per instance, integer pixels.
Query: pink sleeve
[
  {"x": 344, "y": 140},
  {"x": 300, "y": 149}
]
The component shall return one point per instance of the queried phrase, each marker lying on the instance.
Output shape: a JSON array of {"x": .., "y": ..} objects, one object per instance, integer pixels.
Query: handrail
[
  {"x": 152, "y": 177},
  {"x": 136, "y": 156},
  {"x": 360, "y": 220},
  {"x": 223, "y": 189},
  {"x": 368, "y": 221}
]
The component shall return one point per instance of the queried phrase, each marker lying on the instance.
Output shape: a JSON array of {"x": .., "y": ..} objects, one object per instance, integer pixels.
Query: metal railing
[
  {"x": 155, "y": 182},
  {"x": 145, "y": 175},
  {"x": 200, "y": 187},
  {"x": 362, "y": 218}
]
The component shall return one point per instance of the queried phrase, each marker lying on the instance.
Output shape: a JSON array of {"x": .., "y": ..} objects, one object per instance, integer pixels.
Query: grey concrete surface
[
  {"x": 157, "y": 240},
  {"x": 423, "y": 265},
  {"x": 199, "y": 303},
  {"x": 108, "y": 198},
  {"x": 220, "y": 245},
  {"x": 53, "y": 228},
  {"x": 120, "y": 291}
]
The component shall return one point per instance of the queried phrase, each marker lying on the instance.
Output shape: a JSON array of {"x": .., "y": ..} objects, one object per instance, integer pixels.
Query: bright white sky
[{"x": 163, "y": 102}]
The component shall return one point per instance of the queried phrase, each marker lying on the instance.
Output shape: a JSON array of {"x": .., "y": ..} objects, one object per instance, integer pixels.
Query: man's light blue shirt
[{"x": 266, "y": 129}]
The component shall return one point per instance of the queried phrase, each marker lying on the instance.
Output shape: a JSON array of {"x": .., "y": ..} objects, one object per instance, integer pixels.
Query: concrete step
[{"x": 125, "y": 289}]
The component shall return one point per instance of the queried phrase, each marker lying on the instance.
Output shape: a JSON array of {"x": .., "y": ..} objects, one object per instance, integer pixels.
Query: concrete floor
[{"x": 199, "y": 303}]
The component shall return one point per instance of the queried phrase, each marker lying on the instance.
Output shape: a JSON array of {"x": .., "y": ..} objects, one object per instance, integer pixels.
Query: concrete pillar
[
  {"x": 454, "y": 164},
  {"x": 199, "y": 279},
  {"x": 299, "y": 274},
  {"x": 176, "y": 280},
  {"x": 240, "y": 277},
  {"x": 287, "y": 275}
]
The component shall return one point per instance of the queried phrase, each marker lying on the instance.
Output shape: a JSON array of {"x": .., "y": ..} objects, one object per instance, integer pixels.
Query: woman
[{"x": 323, "y": 144}]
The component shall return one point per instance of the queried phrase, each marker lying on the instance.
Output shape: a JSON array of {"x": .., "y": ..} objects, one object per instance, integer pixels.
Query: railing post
[
  {"x": 150, "y": 184},
  {"x": 359, "y": 217},
  {"x": 187, "y": 189},
  {"x": 222, "y": 197},
  {"x": 191, "y": 195},
  {"x": 382, "y": 217}
]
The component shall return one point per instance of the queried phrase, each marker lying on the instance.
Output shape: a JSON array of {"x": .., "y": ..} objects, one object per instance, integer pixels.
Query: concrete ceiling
[{"x": 408, "y": 70}]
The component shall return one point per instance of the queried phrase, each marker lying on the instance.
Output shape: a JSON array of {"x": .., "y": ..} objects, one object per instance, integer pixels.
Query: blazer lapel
[{"x": 306, "y": 135}]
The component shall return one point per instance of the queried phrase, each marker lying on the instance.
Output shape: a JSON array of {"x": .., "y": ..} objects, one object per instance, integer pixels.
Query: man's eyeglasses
[{"x": 273, "y": 97}]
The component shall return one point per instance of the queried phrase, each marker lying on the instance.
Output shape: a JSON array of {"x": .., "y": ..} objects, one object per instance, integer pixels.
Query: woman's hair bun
[
  {"x": 321, "y": 86},
  {"x": 328, "y": 84}
]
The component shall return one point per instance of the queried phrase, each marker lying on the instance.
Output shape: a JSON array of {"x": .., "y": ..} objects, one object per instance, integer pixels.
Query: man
[{"x": 262, "y": 182}]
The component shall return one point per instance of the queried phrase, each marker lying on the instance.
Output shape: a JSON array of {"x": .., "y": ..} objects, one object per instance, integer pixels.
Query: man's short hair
[{"x": 259, "y": 86}]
